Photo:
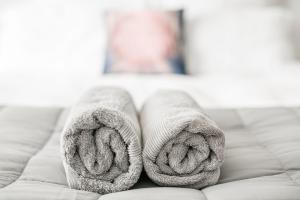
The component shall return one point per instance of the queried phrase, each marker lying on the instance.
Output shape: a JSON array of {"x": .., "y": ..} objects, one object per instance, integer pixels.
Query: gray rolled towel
[
  {"x": 101, "y": 142},
  {"x": 182, "y": 146}
]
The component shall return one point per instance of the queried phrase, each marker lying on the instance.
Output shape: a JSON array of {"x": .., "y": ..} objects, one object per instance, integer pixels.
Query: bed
[
  {"x": 45, "y": 66},
  {"x": 261, "y": 161}
]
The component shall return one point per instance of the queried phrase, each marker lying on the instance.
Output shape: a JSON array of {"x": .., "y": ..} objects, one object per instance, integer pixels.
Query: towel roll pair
[{"x": 102, "y": 142}]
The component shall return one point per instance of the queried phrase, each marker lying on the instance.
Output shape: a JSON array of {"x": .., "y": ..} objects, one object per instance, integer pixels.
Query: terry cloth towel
[
  {"x": 182, "y": 146},
  {"x": 101, "y": 142}
]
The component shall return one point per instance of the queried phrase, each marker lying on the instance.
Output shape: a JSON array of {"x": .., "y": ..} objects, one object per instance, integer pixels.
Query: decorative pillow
[{"x": 145, "y": 42}]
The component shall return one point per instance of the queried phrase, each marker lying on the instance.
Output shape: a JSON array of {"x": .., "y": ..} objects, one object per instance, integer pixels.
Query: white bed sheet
[
  {"x": 218, "y": 91},
  {"x": 280, "y": 89}
]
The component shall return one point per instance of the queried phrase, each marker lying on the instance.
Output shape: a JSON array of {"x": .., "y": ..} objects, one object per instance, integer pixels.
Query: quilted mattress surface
[{"x": 262, "y": 158}]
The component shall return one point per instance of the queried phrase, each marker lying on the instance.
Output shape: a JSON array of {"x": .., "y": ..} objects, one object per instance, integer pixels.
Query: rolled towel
[
  {"x": 101, "y": 142},
  {"x": 182, "y": 146}
]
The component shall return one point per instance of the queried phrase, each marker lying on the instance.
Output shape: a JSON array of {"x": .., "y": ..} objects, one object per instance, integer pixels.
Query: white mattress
[{"x": 261, "y": 158}]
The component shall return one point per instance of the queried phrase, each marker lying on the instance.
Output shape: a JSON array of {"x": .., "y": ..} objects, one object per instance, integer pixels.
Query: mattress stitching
[
  {"x": 41, "y": 181},
  {"x": 257, "y": 177},
  {"x": 293, "y": 111},
  {"x": 47, "y": 141},
  {"x": 285, "y": 171},
  {"x": 202, "y": 191},
  {"x": 57, "y": 185}
]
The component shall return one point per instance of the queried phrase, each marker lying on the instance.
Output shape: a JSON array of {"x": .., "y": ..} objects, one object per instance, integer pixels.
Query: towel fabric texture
[
  {"x": 182, "y": 146},
  {"x": 101, "y": 142}
]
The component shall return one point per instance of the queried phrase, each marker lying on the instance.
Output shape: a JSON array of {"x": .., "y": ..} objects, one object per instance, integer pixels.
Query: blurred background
[{"x": 231, "y": 53}]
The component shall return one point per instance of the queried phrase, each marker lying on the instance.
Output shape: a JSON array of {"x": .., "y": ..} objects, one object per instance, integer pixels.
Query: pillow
[
  {"x": 145, "y": 42},
  {"x": 241, "y": 41}
]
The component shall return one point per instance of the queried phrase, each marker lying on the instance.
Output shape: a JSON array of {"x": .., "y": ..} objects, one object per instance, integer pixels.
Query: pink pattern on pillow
[{"x": 143, "y": 41}]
